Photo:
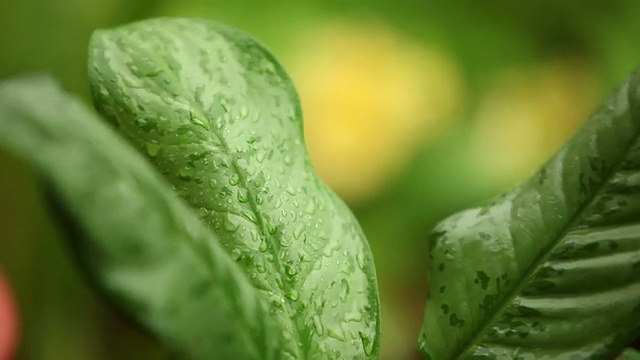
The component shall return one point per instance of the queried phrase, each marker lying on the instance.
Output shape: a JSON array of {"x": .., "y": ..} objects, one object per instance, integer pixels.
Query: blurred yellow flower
[
  {"x": 370, "y": 98},
  {"x": 526, "y": 116}
]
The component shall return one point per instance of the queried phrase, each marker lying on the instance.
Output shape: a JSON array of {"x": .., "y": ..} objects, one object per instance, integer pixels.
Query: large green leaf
[
  {"x": 551, "y": 269},
  {"x": 219, "y": 117},
  {"x": 142, "y": 246}
]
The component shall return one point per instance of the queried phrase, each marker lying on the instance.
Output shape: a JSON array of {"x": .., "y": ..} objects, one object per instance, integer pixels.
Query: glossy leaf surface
[
  {"x": 140, "y": 244},
  {"x": 219, "y": 117},
  {"x": 551, "y": 269}
]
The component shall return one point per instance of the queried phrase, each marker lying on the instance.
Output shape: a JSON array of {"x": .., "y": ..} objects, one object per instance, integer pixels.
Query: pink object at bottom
[{"x": 8, "y": 321}]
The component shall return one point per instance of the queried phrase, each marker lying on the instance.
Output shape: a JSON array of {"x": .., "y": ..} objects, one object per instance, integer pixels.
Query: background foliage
[{"x": 413, "y": 110}]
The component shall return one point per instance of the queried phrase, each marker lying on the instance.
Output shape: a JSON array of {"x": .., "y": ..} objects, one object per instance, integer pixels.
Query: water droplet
[
  {"x": 360, "y": 260},
  {"x": 279, "y": 282},
  {"x": 244, "y": 112},
  {"x": 264, "y": 246},
  {"x": 317, "y": 265},
  {"x": 223, "y": 104},
  {"x": 249, "y": 215},
  {"x": 290, "y": 269},
  {"x": 200, "y": 122},
  {"x": 286, "y": 241},
  {"x": 345, "y": 290},
  {"x": 223, "y": 193},
  {"x": 259, "y": 199},
  {"x": 234, "y": 180},
  {"x": 203, "y": 212},
  {"x": 230, "y": 225},
  {"x": 330, "y": 248},
  {"x": 311, "y": 207},
  {"x": 219, "y": 122},
  {"x": 242, "y": 195},
  {"x": 290, "y": 190},
  {"x": 337, "y": 334},
  {"x": 270, "y": 68},
  {"x": 288, "y": 160},
  {"x": 317, "y": 325},
  {"x": 236, "y": 254},
  {"x": 260, "y": 157},
  {"x": 293, "y": 295},
  {"x": 144, "y": 124},
  {"x": 276, "y": 305},
  {"x": 154, "y": 73},
  {"x": 278, "y": 203},
  {"x": 153, "y": 149},
  {"x": 367, "y": 344},
  {"x": 298, "y": 230},
  {"x": 353, "y": 316},
  {"x": 186, "y": 173}
]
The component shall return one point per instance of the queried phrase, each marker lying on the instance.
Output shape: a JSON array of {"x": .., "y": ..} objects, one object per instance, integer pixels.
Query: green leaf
[
  {"x": 219, "y": 117},
  {"x": 551, "y": 269},
  {"x": 141, "y": 245},
  {"x": 630, "y": 354}
]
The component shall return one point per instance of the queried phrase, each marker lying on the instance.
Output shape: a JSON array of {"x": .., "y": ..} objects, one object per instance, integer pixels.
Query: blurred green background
[{"x": 413, "y": 110}]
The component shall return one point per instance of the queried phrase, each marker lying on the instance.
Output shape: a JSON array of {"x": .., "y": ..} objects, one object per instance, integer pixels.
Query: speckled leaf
[
  {"x": 219, "y": 117},
  {"x": 142, "y": 246},
  {"x": 551, "y": 269}
]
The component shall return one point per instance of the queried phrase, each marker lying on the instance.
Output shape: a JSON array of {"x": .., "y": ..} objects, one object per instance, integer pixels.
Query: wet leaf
[
  {"x": 219, "y": 117},
  {"x": 142, "y": 246},
  {"x": 551, "y": 269}
]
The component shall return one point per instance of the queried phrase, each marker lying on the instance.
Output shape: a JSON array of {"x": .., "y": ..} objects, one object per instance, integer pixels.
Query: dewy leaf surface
[
  {"x": 219, "y": 117},
  {"x": 141, "y": 245},
  {"x": 551, "y": 269}
]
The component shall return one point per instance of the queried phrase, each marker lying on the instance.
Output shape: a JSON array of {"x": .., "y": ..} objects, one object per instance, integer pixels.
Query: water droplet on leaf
[
  {"x": 298, "y": 230},
  {"x": 293, "y": 295},
  {"x": 243, "y": 196},
  {"x": 230, "y": 225},
  {"x": 367, "y": 344},
  {"x": 317, "y": 325},
  {"x": 244, "y": 112},
  {"x": 290, "y": 269},
  {"x": 186, "y": 173},
  {"x": 153, "y": 149}
]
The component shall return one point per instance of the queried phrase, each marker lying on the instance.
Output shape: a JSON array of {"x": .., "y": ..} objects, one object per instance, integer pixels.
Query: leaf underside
[
  {"x": 220, "y": 119},
  {"x": 142, "y": 246},
  {"x": 551, "y": 269}
]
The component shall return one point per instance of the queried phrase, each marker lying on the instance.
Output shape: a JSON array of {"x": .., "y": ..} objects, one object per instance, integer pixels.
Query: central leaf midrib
[
  {"x": 253, "y": 206},
  {"x": 499, "y": 308},
  {"x": 261, "y": 222}
]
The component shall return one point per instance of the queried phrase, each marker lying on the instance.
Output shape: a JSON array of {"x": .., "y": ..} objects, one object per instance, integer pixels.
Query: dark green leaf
[
  {"x": 221, "y": 120},
  {"x": 551, "y": 269},
  {"x": 143, "y": 247}
]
